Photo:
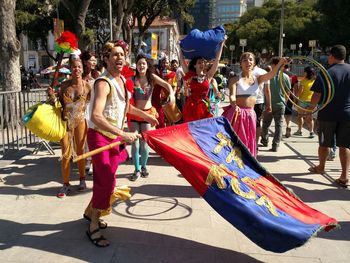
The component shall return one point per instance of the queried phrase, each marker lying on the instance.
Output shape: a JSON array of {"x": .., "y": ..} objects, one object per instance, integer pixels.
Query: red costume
[
  {"x": 195, "y": 107},
  {"x": 160, "y": 94}
]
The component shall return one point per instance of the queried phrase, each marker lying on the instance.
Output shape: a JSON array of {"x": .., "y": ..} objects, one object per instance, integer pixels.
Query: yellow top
[{"x": 306, "y": 85}]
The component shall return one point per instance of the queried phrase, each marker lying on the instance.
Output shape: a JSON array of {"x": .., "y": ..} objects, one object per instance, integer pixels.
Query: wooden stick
[
  {"x": 57, "y": 71},
  {"x": 96, "y": 151}
]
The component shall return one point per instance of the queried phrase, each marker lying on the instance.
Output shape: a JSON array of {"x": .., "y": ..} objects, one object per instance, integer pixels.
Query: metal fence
[{"x": 13, "y": 105}]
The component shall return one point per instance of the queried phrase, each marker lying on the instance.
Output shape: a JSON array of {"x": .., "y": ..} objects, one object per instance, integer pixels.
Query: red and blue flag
[{"x": 215, "y": 162}]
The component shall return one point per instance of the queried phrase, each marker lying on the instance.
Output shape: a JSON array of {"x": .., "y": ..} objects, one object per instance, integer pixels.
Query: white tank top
[
  {"x": 243, "y": 88},
  {"x": 114, "y": 110}
]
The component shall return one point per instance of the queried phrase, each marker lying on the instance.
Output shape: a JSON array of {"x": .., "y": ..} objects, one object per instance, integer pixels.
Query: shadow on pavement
[
  {"x": 127, "y": 245},
  {"x": 338, "y": 235},
  {"x": 320, "y": 195},
  {"x": 166, "y": 190}
]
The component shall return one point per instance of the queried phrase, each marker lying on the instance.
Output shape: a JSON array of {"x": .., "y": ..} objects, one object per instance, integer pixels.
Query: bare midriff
[
  {"x": 143, "y": 104},
  {"x": 245, "y": 101}
]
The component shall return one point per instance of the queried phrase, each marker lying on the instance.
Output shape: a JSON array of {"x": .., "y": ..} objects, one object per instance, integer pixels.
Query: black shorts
[
  {"x": 259, "y": 109},
  {"x": 328, "y": 131},
  {"x": 289, "y": 108}
]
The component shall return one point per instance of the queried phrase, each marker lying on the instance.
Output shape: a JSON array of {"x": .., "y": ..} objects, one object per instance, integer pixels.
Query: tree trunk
[
  {"x": 78, "y": 11},
  {"x": 10, "y": 76}
]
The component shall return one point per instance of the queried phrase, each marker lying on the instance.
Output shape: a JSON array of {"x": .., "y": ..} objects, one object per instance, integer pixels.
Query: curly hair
[{"x": 109, "y": 46}]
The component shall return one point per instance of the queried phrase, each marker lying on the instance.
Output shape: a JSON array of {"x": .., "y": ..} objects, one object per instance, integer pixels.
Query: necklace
[{"x": 200, "y": 78}]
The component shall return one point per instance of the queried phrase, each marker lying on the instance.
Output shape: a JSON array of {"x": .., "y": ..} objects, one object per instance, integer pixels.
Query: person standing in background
[
  {"x": 263, "y": 100},
  {"x": 89, "y": 74},
  {"x": 304, "y": 93},
  {"x": 334, "y": 119},
  {"x": 278, "y": 107},
  {"x": 289, "y": 105}
]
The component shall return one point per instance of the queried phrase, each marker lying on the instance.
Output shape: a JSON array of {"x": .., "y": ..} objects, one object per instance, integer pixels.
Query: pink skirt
[
  {"x": 244, "y": 125},
  {"x": 105, "y": 165}
]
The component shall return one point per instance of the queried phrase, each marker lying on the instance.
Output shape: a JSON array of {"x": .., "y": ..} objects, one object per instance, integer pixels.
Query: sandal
[
  {"x": 101, "y": 223},
  {"x": 96, "y": 241},
  {"x": 342, "y": 183},
  {"x": 314, "y": 169}
]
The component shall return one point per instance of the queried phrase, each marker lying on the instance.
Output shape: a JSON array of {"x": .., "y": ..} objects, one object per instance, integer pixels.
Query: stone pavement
[{"x": 165, "y": 220}]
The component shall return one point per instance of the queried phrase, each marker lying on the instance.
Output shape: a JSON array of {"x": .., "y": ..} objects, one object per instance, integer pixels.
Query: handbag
[{"x": 45, "y": 121}]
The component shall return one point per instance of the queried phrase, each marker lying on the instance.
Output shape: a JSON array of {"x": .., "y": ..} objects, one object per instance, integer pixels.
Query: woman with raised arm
[
  {"x": 197, "y": 79},
  {"x": 144, "y": 82},
  {"x": 243, "y": 91}
]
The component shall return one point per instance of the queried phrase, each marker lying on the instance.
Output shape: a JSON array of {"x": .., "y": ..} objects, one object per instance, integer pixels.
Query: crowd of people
[{"x": 97, "y": 103}]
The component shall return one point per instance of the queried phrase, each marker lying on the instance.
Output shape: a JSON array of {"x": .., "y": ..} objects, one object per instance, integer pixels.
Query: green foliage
[
  {"x": 335, "y": 22},
  {"x": 261, "y": 25},
  {"x": 34, "y": 17}
]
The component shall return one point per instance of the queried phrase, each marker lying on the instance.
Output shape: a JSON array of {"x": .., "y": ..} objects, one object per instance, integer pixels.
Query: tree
[
  {"x": 145, "y": 12},
  {"x": 335, "y": 21},
  {"x": 34, "y": 18},
  {"x": 261, "y": 25},
  {"x": 255, "y": 32},
  {"x": 10, "y": 77},
  {"x": 77, "y": 10}
]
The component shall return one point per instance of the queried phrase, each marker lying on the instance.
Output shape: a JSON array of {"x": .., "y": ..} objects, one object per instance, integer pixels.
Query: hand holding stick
[{"x": 98, "y": 150}]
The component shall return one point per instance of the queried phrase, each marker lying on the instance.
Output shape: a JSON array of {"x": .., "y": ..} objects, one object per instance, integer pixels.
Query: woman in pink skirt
[{"x": 243, "y": 90}]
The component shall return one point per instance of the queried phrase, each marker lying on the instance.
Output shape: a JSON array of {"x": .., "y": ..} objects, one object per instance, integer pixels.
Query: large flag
[{"x": 215, "y": 162}]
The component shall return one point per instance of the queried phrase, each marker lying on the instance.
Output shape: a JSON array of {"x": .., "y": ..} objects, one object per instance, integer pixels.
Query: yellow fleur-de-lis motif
[
  {"x": 235, "y": 153},
  {"x": 216, "y": 173}
]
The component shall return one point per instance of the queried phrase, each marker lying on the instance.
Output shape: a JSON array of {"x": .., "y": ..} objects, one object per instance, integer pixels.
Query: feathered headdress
[{"x": 66, "y": 43}]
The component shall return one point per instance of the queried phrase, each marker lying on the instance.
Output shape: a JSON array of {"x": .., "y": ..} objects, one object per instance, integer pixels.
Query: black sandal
[
  {"x": 101, "y": 223},
  {"x": 96, "y": 241},
  {"x": 342, "y": 183}
]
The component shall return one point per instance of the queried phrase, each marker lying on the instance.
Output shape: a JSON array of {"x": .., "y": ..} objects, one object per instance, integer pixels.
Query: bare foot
[{"x": 316, "y": 170}]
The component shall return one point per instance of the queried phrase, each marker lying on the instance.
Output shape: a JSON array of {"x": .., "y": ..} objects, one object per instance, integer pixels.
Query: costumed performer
[
  {"x": 89, "y": 74},
  {"x": 197, "y": 103},
  {"x": 160, "y": 94},
  {"x": 110, "y": 104},
  {"x": 243, "y": 92},
  {"x": 73, "y": 94},
  {"x": 144, "y": 82}
]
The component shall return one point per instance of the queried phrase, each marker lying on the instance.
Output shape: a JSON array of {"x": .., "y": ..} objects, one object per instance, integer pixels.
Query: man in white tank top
[{"x": 108, "y": 112}]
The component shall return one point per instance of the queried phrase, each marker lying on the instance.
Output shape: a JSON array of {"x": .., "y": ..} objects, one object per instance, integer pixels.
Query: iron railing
[{"x": 13, "y": 105}]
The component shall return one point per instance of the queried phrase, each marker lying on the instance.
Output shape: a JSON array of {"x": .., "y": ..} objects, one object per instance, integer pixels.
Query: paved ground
[{"x": 165, "y": 220}]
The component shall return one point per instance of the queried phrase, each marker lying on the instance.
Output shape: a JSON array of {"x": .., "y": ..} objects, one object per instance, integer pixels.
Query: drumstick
[{"x": 96, "y": 151}]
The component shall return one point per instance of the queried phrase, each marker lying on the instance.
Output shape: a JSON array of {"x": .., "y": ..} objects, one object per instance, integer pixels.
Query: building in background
[
  {"x": 226, "y": 11},
  {"x": 202, "y": 13},
  {"x": 252, "y": 3},
  {"x": 33, "y": 55},
  {"x": 211, "y": 13},
  {"x": 167, "y": 32}
]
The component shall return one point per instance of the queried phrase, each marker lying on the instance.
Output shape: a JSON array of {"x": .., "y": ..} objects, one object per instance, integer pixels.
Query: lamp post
[
  {"x": 110, "y": 20},
  {"x": 280, "y": 46},
  {"x": 300, "y": 46},
  {"x": 232, "y": 48}
]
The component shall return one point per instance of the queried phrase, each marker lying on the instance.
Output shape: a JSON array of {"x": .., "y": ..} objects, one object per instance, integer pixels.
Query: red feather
[{"x": 68, "y": 37}]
